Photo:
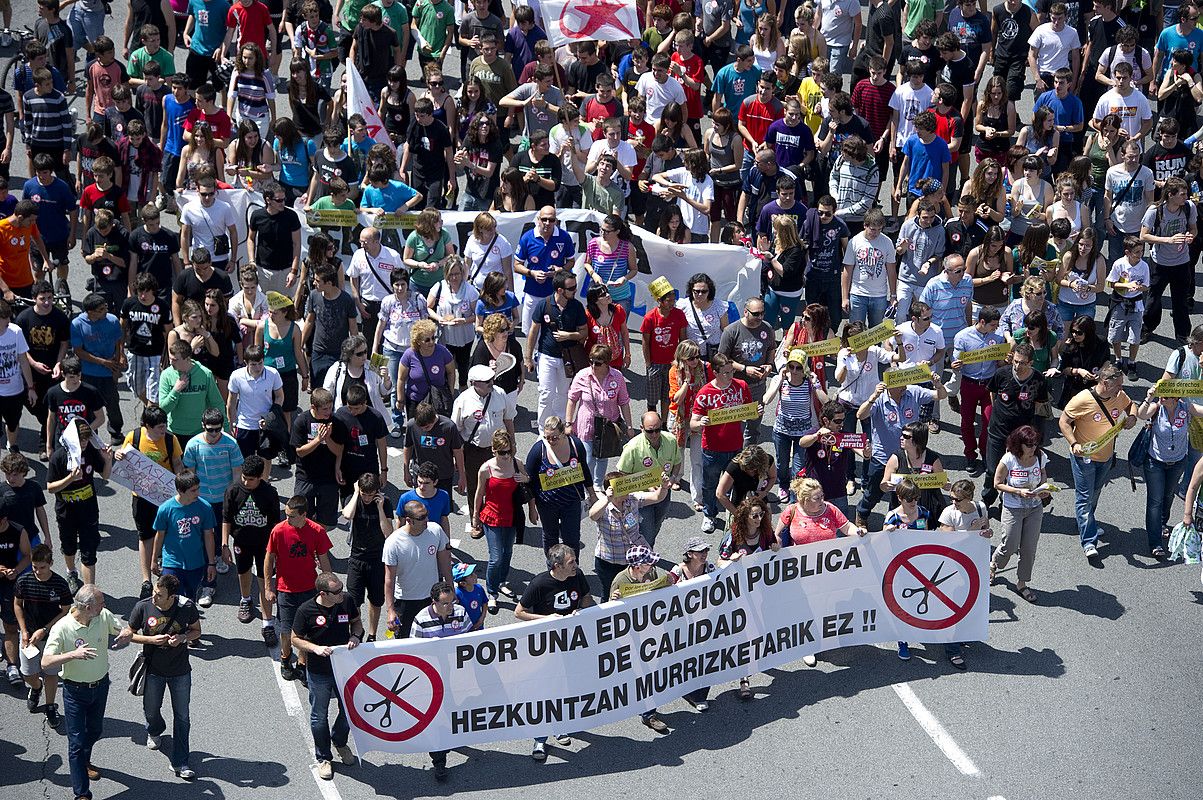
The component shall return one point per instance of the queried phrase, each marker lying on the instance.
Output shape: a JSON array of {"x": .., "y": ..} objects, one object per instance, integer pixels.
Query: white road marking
[
  {"x": 292, "y": 704},
  {"x": 327, "y": 788},
  {"x": 951, "y": 750},
  {"x": 996, "y": 797}
]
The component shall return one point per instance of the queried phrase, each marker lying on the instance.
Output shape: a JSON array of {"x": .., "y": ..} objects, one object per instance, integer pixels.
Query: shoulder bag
[
  {"x": 137, "y": 670},
  {"x": 608, "y": 435},
  {"x": 439, "y": 396},
  {"x": 572, "y": 353}
]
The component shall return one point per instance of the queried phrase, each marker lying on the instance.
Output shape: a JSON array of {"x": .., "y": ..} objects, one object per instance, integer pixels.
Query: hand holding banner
[
  {"x": 636, "y": 482},
  {"x": 1092, "y": 447},
  {"x": 920, "y": 373},
  {"x": 721, "y": 416},
  {"x": 995, "y": 352}
]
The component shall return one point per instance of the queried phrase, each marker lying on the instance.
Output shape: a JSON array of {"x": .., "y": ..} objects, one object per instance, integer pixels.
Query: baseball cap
[
  {"x": 696, "y": 544},
  {"x": 481, "y": 372},
  {"x": 797, "y": 356},
  {"x": 462, "y": 570}
]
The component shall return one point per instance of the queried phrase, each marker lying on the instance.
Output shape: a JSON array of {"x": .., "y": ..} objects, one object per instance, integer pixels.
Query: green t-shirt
[
  {"x": 67, "y": 634},
  {"x": 396, "y": 17},
  {"x": 917, "y": 11},
  {"x": 326, "y": 203},
  {"x": 433, "y": 19},
  {"x": 421, "y": 278},
  {"x": 140, "y": 58},
  {"x": 350, "y": 13}
]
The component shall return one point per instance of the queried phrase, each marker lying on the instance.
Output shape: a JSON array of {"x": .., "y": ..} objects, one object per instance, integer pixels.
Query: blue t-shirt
[
  {"x": 97, "y": 338},
  {"x": 175, "y": 113},
  {"x": 295, "y": 162},
  {"x": 184, "y": 528},
  {"x": 734, "y": 86},
  {"x": 210, "y": 28},
  {"x": 508, "y": 304},
  {"x": 540, "y": 255},
  {"x": 1170, "y": 40},
  {"x": 927, "y": 160},
  {"x": 887, "y": 419},
  {"x": 23, "y": 79},
  {"x": 214, "y": 464},
  {"x": 1065, "y": 112},
  {"x": 390, "y": 198},
  {"x": 437, "y": 507},
  {"x": 474, "y": 602},
  {"x": 55, "y": 202}
]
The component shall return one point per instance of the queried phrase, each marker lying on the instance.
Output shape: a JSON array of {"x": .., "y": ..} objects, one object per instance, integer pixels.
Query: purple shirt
[{"x": 790, "y": 144}]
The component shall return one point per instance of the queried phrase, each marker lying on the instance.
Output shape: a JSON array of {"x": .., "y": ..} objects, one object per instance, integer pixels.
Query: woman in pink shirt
[
  {"x": 811, "y": 518},
  {"x": 600, "y": 391}
]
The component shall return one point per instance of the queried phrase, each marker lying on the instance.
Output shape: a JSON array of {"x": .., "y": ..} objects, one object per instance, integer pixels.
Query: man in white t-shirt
[
  {"x": 1054, "y": 45},
  {"x": 210, "y": 222},
  {"x": 253, "y": 389},
  {"x": 370, "y": 274},
  {"x": 908, "y": 101},
  {"x": 16, "y": 379},
  {"x": 416, "y": 555},
  {"x": 870, "y": 272},
  {"x": 1126, "y": 102},
  {"x": 659, "y": 88}
]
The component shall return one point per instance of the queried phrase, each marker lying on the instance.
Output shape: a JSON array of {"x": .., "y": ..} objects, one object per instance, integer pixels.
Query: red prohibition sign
[
  {"x": 903, "y": 561},
  {"x": 390, "y": 697}
]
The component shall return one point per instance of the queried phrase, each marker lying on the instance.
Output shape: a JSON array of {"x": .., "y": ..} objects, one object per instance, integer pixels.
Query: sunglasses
[
  {"x": 756, "y": 314},
  {"x": 361, "y": 353},
  {"x": 652, "y": 430},
  {"x": 206, "y": 194},
  {"x": 434, "y": 83}
]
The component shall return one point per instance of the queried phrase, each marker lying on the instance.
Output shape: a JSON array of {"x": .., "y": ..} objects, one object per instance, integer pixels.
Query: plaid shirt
[{"x": 618, "y": 529}]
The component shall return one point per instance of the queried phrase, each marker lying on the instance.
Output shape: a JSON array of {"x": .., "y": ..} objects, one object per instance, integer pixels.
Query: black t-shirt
[
  {"x": 546, "y": 595},
  {"x": 23, "y": 503},
  {"x": 367, "y": 540},
  {"x": 147, "y": 619},
  {"x": 548, "y": 314},
  {"x": 879, "y": 26},
  {"x": 343, "y": 166},
  {"x": 582, "y": 78},
  {"x": 478, "y": 185},
  {"x": 548, "y": 167},
  {"x": 89, "y": 152},
  {"x": 114, "y": 243},
  {"x": 1013, "y": 31},
  {"x": 427, "y": 156},
  {"x": 929, "y": 58},
  {"x": 45, "y": 334},
  {"x": 508, "y": 380},
  {"x": 10, "y": 545},
  {"x": 960, "y": 74},
  {"x": 374, "y": 52},
  {"x": 83, "y": 402},
  {"x": 155, "y": 252},
  {"x": 1165, "y": 163},
  {"x": 76, "y": 502},
  {"x": 961, "y": 238},
  {"x": 435, "y": 445},
  {"x": 857, "y": 126},
  {"x": 59, "y": 41},
  {"x": 332, "y": 320},
  {"x": 826, "y": 253},
  {"x": 360, "y": 455},
  {"x": 190, "y": 287},
  {"x": 318, "y": 466},
  {"x": 1014, "y": 400},
  {"x": 145, "y": 325},
  {"x": 250, "y": 513},
  {"x": 273, "y": 237},
  {"x": 743, "y": 484},
  {"x": 325, "y": 627},
  {"x": 1102, "y": 37},
  {"x": 42, "y": 600}
]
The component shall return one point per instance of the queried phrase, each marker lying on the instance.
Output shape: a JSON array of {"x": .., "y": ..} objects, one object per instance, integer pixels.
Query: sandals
[
  {"x": 993, "y": 570},
  {"x": 699, "y": 508},
  {"x": 1027, "y": 594},
  {"x": 477, "y": 533},
  {"x": 745, "y": 689}
]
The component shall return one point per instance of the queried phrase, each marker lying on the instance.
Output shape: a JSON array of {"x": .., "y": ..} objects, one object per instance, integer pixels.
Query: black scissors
[
  {"x": 387, "y": 720},
  {"x": 936, "y": 580}
]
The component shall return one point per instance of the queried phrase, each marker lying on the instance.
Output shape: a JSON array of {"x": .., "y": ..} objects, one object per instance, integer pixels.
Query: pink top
[
  {"x": 804, "y": 529},
  {"x": 605, "y": 398}
]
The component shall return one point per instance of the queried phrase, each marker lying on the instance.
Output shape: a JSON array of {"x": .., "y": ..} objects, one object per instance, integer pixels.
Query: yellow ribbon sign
[
  {"x": 1173, "y": 388},
  {"x": 721, "y": 416},
  {"x": 333, "y": 217},
  {"x": 636, "y": 482},
  {"x": 920, "y": 373},
  {"x": 875, "y": 335},
  {"x": 928, "y": 480},
  {"x": 394, "y": 221},
  {"x": 995, "y": 352},
  {"x": 827, "y": 347},
  {"x": 564, "y": 476},
  {"x": 1092, "y": 447},
  {"x": 632, "y": 589}
]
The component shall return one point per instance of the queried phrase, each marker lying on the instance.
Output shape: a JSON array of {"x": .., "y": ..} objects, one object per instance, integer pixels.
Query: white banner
[
  {"x": 735, "y": 277},
  {"x": 359, "y": 101},
  {"x": 599, "y": 20},
  {"x": 143, "y": 476},
  {"x": 612, "y": 661}
]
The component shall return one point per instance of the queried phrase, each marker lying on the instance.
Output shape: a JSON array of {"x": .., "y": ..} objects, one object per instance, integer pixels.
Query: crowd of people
[{"x": 872, "y": 161}]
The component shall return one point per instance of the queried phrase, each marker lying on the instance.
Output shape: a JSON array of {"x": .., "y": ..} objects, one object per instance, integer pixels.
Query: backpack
[{"x": 170, "y": 439}]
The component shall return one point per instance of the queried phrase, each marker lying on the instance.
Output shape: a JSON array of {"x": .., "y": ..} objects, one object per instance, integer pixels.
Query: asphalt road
[{"x": 1092, "y": 693}]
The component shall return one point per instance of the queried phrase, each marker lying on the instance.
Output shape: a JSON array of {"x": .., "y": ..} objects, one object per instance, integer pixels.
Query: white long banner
[{"x": 612, "y": 661}]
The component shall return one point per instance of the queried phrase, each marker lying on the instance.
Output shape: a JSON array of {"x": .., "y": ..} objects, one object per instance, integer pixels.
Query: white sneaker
[
  {"x": 809, "y": 661},
  {"x": 539, "y": 752},
  {"x": 206, "y": 597},
  {"x": 325, "y": 770},
  {"x": 153, "y": 742},
  {"x": 1090, "y": 551},
  {"x": 708, "y": 525},
  {"x": 222, "y": 566}
]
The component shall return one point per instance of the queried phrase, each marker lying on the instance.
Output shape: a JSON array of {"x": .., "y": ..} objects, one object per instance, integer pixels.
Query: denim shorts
[{"x": 287, "y": 604}]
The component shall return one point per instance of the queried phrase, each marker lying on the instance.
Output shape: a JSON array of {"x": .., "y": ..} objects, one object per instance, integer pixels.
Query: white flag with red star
[
  {"x": 360, "y": 102},
  {"x": 597, "y": 20}
]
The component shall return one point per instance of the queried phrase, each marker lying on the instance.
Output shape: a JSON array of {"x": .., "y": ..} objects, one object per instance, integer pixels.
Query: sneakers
[
  {"x": 539, "y": 752},
  {"x": 325, "y": 770},
  {"x": 281, "y": 460},
  {"x": 655, "y": 723},
  {"x": 245, "y": 612},
  {"x": 146, "y": 591},
  {"x": 206, "y": 597},
  {"x": 708, "y": 525},
  {"x": 1130, "y": 372},
  {"x": 153, "y": 741},
  {"x": 396, "y": 431},
  {"x": 222, "y": 566},
  {"x": 73, "y": 581},
  {"x": 302, "y": 674},
  {"x": 33, "y": 699},
  {"x": 440, "y": 772},
  {"x": 809, "y": 661},
  {"x": 1090, "y": 551},
  {"x": 562, "y": 739},
  {"x": 776, "y": 495},
  {"x": 904, "y": 651},
  {"x": 344, "y": 753},
  {"x": 493, "y": 605},
  {"x": 287, "y": 671},
  {"x": 186, "y": 773},
  {"x": 52, "y": 715},
  {"x": 269, "y": 636},
  {"x": 14, "y": 676},
  {"x": 1160, "y": 553}
]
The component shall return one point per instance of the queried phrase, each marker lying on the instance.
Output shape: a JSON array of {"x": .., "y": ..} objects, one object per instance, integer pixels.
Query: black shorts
[
  {"x": 11, "y": 409},
  {"x": 292, "y": 390},
  {"x": 366, "y": 576},
  {"x": 202, "y": 69},
  {"x": 323, "y": 500},
  {"x": 79, "y": 537},
  {"x": 58, "y": 251},
  {"x": 8, "y": 614},
  {"x": 144, "y": 518},
  {"x": 250, "y": 548}
]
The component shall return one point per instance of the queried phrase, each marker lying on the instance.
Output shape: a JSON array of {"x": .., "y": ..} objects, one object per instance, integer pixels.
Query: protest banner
[
  {"x": 332, "y": 217},
  {"x": 1095, "y": 445},
  {"x": 599, "y": 20},
  {"x": 855, "y": 441},
  {"x": 875, "y": 335},
  {"x": 564, "y": 476},
  {"x": 721, "y": 416},
  {"x": 995, "y": 352},
  {"x": 142, "y": 476},
  {"x": 637, "y": 481},
  {"x": 920, "y": 373},
  {"x": 826, "y": 347},
  {"x": 612, "y": 661},
  {"x": 69, "y": 439},
  {"x": 1176, "y": 388},
  {"x": 632, "y": 589},
  {"x": 928, "y": 480}
]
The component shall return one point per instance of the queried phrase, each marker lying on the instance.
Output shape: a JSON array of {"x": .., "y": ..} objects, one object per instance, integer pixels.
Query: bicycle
[{"x": 20, "y": 37}]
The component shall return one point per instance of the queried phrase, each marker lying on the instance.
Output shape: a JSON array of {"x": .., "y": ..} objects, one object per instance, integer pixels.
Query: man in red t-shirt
[
  {"x": 662, "y": 329},
  {"x": 601, "y": 106},
  {"x": 17, "y": 233},
  {"x": 207, "y": 110},
  {"x": 720, "y": 442},
  {"x": 251, "y": 22},
  {"x": 297, "y": 550},
  {"x": 690, "y": 70},
  {"x": 756, "y": 114}
]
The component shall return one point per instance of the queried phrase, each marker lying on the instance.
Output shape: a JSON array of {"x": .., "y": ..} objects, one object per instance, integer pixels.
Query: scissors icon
[
  {"x": 387, "y": 720},
  {"x": 935, "y": 581}
]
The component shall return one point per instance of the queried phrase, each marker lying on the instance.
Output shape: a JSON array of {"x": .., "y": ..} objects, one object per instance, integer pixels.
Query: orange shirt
[
  {"x": 15, "y": 242},
  {"x": 1089, "y": 422}
]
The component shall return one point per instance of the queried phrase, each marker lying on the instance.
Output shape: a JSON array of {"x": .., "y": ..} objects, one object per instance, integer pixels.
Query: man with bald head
[
  {"x": 370, "y": 273},
  {"x": 541, "y": 253},
  {"x": 651, "y": 448}
]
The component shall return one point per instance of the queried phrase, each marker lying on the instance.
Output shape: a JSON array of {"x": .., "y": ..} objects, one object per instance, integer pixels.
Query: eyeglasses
[
  {"x": 837, "y": 420},
  {"x": 806, "y": 317},
  {"x": 424, "y": 340},
  {"x": 332, "y": 592},
  {"x": 702, "y": 290},
  {"x": 554, "y": 437},
  {"x": 1077, "y": 333},
  {"x": 609, "y": 230},
  {"x": 755, "y": 515},
  {"x": 693, "y": 358},
  {"x": 826, "y": 213},
  {"x": 652, "y": 430},
  {"x": 571, "y": 288},
  {"x": 276, "y": 199},
  {"x": 907, "y": 436},
  {"x": 502, "y": 452},
  {"x": 923, "y": 319},
  {"x": 209, "y": 429},
  {"x": 548, "y": 220}
]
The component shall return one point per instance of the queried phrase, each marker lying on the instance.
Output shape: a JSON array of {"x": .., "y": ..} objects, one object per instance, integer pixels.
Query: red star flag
[
  {"x": 362, "y": 103},
  {"x": 597, "y": 20}
]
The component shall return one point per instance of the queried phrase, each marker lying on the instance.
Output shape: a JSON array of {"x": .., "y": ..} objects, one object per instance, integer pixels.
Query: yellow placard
[
  {"x": 378, "y": 360},
  {"x": 920, "y": 373},
  {"x": 1176, "y": 388},
  {"x": 827, "y": 347},
  {"x": 564, "y": 476},
  {"x": 1048, "y": 486},
  {"x": 875, "y": 335},
  {"x": 721, "y": 416},
  {"x": 1092, "y": 447},
  {"x": 632, "y": 589},
  {"x": 995, "y": 352},
  {"x": 394, "y": 221},
  {"x": 928, "y": 480},
  {"x": 333, "y": 218},
  {"x": 636, "y": 482}
]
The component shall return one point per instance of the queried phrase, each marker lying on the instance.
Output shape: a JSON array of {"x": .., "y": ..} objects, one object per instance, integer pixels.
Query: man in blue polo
[{"x": 541, "y": 253}]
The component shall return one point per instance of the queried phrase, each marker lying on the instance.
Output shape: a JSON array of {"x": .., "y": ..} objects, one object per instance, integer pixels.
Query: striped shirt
[
  {"x": 948, "y": 302},
  {"x": 214, "y": 464},
  {"x": 48, "y": 120},
  {"x": 428, "y": 625},
  {"x": 794, "y": 409},
  {"x": 973, "y": 339},
  {"x": 873, "y": 103}
]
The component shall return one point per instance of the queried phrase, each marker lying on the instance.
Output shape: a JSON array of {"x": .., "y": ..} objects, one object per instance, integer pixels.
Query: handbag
[
  {"x": 1138, "y": 453},
  {"x": 439, "y": 396},
  {"x": 137, "y": 675},
  {"x": 608, "y": 434},
  {"x": 572, "y": 353}
]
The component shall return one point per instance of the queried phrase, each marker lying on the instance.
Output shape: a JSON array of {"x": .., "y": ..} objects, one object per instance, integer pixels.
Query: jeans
[
  {"x": 1161, "y": 480},
  {"x": 180, "y": 687},
  {"x": 870, "y": 493},
  {"x": 651, "y": 518},
  {"x": 791, "y": 458},
  {"x": 321, "y": 690},
  {"x": 1192, "y": 458},
  {"x": 824, "y": 288},
  {"x": 713, "y": 464},
  {"x": 866, "y": 427},
  {"x": 190, "y": 580},
  {"x": 1089, "y": 479},
  {"x": 840, "y": 63},
  {"x": 907, "y": 294},
  {"x": 473, "y": 203},
  {"x": 84, "y": 709},
  {"x": 780, "y": 311},
  {"x": 598, "y": 466},
  {"x": 85, "y": 27},
  {"x": 561, "y": 524},
  {"x": 1069, "y": 311},
  {"x": 870, "y": 310},
  {"x": 501, "y": 550},
  {"x": 394, "y": 361}
]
